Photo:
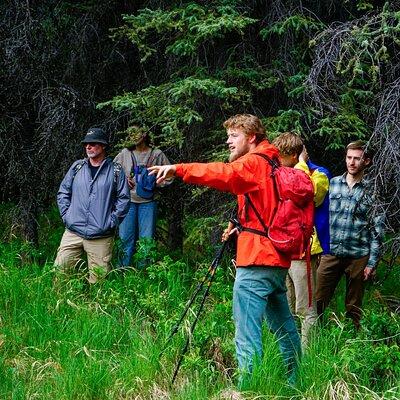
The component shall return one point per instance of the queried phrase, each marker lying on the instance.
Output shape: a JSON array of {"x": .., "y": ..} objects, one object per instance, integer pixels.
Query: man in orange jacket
[{"x": 259, "y": 291}]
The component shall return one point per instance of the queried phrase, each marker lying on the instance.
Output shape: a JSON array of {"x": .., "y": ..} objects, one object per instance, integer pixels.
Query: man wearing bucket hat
[
  {"x": 140, "y": 222},
  {"x": 93, "y": 199}
]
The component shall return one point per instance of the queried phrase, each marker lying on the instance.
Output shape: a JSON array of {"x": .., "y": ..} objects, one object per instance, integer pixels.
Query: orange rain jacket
[{"x": 248, "y": 174}]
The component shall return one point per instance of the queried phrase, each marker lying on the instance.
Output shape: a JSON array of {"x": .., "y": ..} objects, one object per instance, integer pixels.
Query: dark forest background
[{"x": 327, "y": 70}]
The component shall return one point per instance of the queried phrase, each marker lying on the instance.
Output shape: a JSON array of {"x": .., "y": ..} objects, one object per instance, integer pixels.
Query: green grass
[{"x": 61, "y": 339}]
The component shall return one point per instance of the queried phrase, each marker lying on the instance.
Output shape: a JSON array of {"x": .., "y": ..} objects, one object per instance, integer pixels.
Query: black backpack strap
[
  {"x": 258, "y": 232},
  {"x": 134, "y": 161},
  {"x": 117, "y": 167},
  {"x": 274, "y": 164},
  {"x": 117, "y": 172},
  {"x": 148, "y": 159},
  {"x": 77, "y": 168}
]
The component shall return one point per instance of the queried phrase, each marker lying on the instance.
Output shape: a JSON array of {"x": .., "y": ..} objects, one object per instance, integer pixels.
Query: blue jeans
[
  {"x": 259, "y": 294},
  {"x": 140, "y": 222}
]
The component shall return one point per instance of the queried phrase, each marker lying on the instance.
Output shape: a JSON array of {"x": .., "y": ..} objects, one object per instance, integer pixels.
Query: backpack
[
  {"x": 117, "y": 171},
  {"x": 145, "y": 183},
  {"x": 293, "y": 222}
]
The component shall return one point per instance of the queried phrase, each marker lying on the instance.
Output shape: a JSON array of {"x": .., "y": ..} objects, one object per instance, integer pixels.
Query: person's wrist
[{"x": 178, "y": 170}]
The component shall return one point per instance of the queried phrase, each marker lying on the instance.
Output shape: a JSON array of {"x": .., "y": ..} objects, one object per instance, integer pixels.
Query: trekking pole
[
  {"x": 187, "y": 307},
  {"x": 212, "y": 270},
  {"x": 210, "y": 276}
]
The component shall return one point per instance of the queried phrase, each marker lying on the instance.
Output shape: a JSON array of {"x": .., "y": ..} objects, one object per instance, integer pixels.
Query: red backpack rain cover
[{"x": 293, "y": 223}]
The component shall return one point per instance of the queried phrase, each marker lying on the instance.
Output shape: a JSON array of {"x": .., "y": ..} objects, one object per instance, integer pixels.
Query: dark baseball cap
[{"x": 95, "y": 135}]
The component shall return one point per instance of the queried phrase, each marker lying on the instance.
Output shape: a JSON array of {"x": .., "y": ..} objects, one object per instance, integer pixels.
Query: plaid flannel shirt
[{"x": 353, "y": 231}]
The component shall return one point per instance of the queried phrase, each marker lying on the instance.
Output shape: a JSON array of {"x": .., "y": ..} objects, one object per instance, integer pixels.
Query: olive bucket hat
[{"x": 96, "y": 135}]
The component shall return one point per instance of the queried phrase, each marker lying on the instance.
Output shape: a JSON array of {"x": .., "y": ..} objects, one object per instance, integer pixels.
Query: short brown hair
[
  {"x": 289, "y": 143},
  {"x": 250, "y": 124},
  {"x": 360, "y": 145}
]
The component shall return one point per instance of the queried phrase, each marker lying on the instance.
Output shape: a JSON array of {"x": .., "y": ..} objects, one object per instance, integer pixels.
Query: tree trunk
[{"x": 26, "y": 219}]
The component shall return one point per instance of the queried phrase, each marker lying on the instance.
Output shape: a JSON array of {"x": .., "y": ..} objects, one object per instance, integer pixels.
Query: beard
[
  {"x": 237, "y": 154},
  {"x": 95, "y": 154},
  {"x": 92, "y": 154},
  {"x": 232, "y": 157},
  {"x": 355, "y": 171}
]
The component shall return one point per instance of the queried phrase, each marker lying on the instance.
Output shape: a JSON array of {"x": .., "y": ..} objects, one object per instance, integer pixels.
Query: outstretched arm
[
  {"x": 162, "y": 172},
  {"x": 238, "y": 177}
]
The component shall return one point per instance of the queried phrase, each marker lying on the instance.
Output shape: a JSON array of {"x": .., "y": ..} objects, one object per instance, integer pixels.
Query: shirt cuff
[
  {"x": 179, "y": 170},
  {"x": 372, "y": 263}
]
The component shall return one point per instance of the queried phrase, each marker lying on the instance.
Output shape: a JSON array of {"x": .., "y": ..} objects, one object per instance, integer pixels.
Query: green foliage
[
  {"x": 295, "y": 85},
  {"x": 364, "y": 5},
  {"x": 377, "y": 363},
  {"x": 189, "y": 27},
  {"x": 146, "y": 250},
  {"x": 210, "y": 58},
  {"x": 375, "y": 354},
  {"x": 256, "y": 76},
  {"x": 61, "y": 338},
  {"x": 296, "y": 23},
  {"x": 286, "y": 120},
  {"x": 364, "y": 52},
  {"x": 174, "y": 106},
  {"x": 199, "y": 230},
  {"x": 341, "y": 128}
]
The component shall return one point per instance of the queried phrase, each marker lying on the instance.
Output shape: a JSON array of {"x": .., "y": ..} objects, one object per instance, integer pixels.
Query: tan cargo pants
[
  {"x": 99, "y": 252},
  {"x": 297, "y": 294}
]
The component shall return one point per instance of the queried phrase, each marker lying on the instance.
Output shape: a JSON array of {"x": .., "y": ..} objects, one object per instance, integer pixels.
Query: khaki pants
[
  {"x": 329, "y": 273},
  {"x": 297, "y": 294},
  {"x": 99, "y": 252}
]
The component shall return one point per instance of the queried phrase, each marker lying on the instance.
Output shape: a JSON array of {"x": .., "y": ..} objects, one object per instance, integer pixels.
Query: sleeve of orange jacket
[
  {"x": 319, "y": 180},
  {"x": 237, "y": 177}
]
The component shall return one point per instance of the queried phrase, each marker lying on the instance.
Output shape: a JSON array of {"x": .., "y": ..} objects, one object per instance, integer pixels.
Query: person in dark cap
[{"x": 93, "y": 199}]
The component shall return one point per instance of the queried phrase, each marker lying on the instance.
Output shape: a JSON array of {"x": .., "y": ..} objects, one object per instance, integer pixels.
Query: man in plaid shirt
[{"x": 355, "y": 236}]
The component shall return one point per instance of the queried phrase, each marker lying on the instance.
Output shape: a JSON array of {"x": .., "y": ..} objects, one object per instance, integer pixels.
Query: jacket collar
[{"x": 267, "y": 148}]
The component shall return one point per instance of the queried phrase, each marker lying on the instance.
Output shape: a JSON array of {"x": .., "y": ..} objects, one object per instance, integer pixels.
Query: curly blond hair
[{"x": 250, "y": 124}]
